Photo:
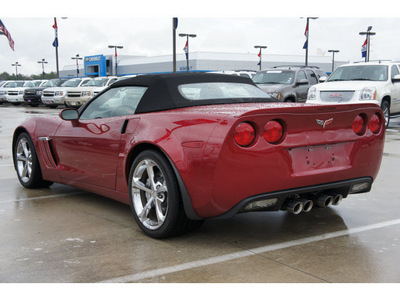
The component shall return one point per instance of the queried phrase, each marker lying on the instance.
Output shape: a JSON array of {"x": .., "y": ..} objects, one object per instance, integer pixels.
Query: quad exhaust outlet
[{"x": 296, "y": 206}]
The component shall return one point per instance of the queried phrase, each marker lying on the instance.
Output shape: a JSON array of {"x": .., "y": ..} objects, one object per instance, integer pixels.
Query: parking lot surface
[{"x": 61, "y": 234}]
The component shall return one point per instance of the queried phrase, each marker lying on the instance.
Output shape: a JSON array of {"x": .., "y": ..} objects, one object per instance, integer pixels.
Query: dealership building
[{"x": 105, "y": 65}]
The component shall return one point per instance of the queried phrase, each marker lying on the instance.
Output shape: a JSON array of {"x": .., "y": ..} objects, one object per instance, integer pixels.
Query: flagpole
[
  {"x": 174, "y": 27},
  {"x": 187, "y": 48},
  {"x": 55, "y": 44},
  {"x": 307, "y": 36},
  {"x": 260, "y": 54},
  {"x": 368, "y": 33},
  {"x": 308, "y": 21},
  {"x": 187, "y": 56}
]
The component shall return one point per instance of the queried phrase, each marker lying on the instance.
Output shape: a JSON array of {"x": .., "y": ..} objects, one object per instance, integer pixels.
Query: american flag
[
  {"x": 305, "y": 46},
  {"x": 186, "y": 49},
  {"x": 55, "y": 43},
  {"x": 4, "y": 31},
  {"x": 364, "y": 48}
]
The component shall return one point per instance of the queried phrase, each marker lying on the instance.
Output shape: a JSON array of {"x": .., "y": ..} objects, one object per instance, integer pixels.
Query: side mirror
[
  {"x": 396, "y": 78},
  {"x": 322, "y": 79},
  {"x": 69, "y": 114},
  {"x": 302, "y": 82}
]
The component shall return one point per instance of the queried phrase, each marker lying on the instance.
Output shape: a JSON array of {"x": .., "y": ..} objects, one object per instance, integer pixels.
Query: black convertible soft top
[{"x": 163, "y": 93}]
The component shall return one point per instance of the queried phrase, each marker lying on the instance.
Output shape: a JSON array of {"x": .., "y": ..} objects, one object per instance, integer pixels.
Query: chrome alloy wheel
[
  {"x": 386, "y": 114},
  {"x": 149, "y": 194},
  {"x": 24, "y": 160}
]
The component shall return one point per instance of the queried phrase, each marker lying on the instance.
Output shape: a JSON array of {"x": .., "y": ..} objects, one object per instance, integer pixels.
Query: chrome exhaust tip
[
  {"x": 307, "y": 205},
  {"x": 337, "y": 198},
  {"x": 294, "y": 206},
  {"x": 324, "y": 200}
]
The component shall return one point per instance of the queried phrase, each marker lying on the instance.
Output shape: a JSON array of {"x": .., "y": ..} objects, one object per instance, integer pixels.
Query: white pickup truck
[{"x": 372, "y": 82}]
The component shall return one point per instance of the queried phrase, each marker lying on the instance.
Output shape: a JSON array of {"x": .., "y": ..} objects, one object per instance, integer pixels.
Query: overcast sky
[{"x": 145, "y": 29}]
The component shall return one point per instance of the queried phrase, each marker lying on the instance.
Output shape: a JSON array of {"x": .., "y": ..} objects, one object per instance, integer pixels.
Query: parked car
[
  {"x": 77, "y": 96},
  {"x": 12, "y": 84},
  {"x": 33, "y": 95},
  {"x": 181, "y": 148},
  {"x": 55, "y": 96},
  {"x": 243, "y": 73},
  {"x": 367, "y": 82},
  {"x": 15, "y": 95},
  {"x": 2, "y": 91},
  {"x": 286, "y": 84}
]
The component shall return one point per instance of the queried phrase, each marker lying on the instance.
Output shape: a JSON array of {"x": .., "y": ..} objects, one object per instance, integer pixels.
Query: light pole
[
  {"x": 42, "y": 62},
  {"x": 77, "y": 58},
  {"x": 307, "y": 34},
  {"x": 174, "y": 27},
  {"x": 116, "y": 56},
  {"x": 259, "y": 54},
  {"x": 187, "y": 47},
  {"x": 333, "y": 58},
  {"x": 368, "y": 33},
  {"x": 16, "y": 68}
]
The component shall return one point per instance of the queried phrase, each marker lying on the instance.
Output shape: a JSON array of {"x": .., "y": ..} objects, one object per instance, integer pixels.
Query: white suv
[
  {"x": 52, "y": 97},
  {"x": 77, "y": 96},
  {"x": 371, "y": 82}
]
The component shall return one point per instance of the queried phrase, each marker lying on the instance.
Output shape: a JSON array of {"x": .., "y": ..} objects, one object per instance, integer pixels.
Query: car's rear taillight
[
  {"x": 375, "y": 124},
  {"x": 244, "y": 134},
  {"x": 359, "y": 125},
  {"x": 273, "y": 132}
]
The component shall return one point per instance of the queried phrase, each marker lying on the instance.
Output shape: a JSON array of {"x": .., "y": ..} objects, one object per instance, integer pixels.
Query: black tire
[
  {"x": 164, "y": 216},
  {"x": 385, "y": 106},
  {"x": 26, "y": 163},
  {"x": 52, "y": 106},
  {"x": 290, "y": 100}
]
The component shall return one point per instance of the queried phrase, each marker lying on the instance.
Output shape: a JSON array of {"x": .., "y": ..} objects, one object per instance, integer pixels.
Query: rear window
[
  {"x": 220, "y": 90},
  {"x": 274, "y": 77}
]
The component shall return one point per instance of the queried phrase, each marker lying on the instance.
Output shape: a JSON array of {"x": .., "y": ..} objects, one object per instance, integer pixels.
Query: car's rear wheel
[
  {"x": 27, "y": 164},
  {"x": 155, "y": 197},
  {"x": 386, "y": 112}
]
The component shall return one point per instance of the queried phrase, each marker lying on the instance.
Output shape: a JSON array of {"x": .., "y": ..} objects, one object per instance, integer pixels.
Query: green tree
[{"x": 7, "y": 76}]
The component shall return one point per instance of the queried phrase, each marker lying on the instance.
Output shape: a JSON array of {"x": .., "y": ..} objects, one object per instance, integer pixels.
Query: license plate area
[{"x": 315, "y": 159}]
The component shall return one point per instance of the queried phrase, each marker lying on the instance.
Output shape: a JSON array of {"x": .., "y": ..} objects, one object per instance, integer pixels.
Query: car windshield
[
  {"x": 51, "y": 83},
  {"x": 32, "y": 83},
  {"x": 220, "y": 90},
  {"x": 72, "y": 83},
  {"x": 274, "y": 77},
  {"x": 360, "y": 72},
  {"x": 96, "y": 82},
  {"x": 14, "y": 84}
]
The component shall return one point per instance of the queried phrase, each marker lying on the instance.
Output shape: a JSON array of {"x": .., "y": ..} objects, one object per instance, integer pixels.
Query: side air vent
[{"x": 45, "y": 149}]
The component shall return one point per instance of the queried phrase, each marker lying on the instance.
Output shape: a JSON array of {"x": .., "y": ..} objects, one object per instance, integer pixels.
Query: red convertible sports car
[{"x": 181, "y": 148}]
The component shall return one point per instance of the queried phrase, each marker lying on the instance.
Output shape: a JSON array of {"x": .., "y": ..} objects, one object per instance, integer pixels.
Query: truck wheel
[{"x": 386, "y": 112}]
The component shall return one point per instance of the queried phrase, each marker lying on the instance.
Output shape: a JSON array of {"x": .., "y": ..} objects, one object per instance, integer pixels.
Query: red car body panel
[{"x": 216, "y": 172}]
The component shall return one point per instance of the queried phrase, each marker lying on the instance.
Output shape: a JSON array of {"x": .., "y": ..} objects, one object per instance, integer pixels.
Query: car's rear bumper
[{"x": 276, "y": 200}]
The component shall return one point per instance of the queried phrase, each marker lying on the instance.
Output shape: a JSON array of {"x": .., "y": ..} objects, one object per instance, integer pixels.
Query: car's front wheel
[
  {"x": 27, "y": 164},
  {"x": 155, "y": 197}
]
